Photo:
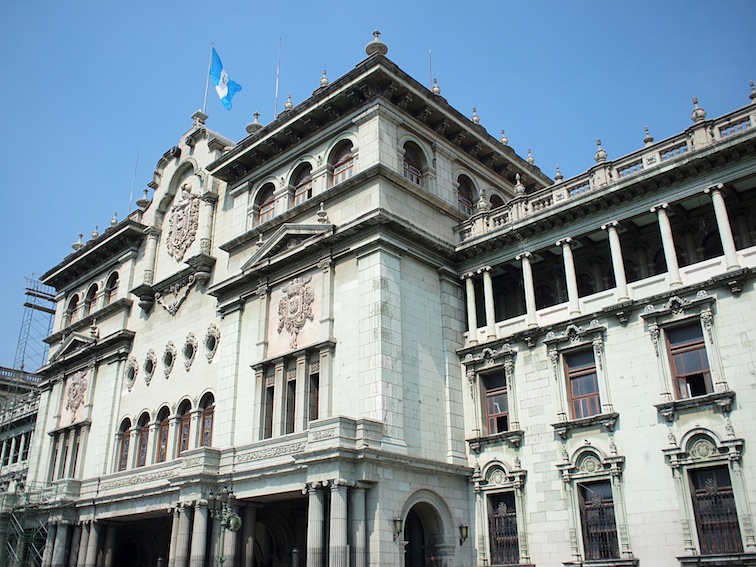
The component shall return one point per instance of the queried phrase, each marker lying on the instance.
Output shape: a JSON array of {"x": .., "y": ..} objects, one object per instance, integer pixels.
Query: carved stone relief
[
  {"x": 174, "y": 295},
  {"x": 183, "y": 222},
  {"x": 75, "y": 391},
  {"x": 295, "y": 308}
]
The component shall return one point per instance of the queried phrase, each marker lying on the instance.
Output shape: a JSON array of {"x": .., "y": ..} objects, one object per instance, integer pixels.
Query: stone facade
[{"x": 371, "y": 334}]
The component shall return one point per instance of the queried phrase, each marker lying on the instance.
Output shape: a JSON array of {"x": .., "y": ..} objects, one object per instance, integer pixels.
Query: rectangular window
[
  {"x": 144, "y": 436},
  {"x": 207, "y": 426},
  {"x": 582, "y": 383},
  {"x": 313, "y": 396},
  {"x": 690, "y": 366},
  {"x": 16, "y": 449},
  {"x": 267, "y": 425},
  {"x": 714, "y": 510},
  {"x": 497, "y": 406},
  {"x": 162, "y": 441},
  {"x": 184, "y": 429},
  {"x": 291, "y": 396},
  {"x": 123, "y": 457},
  {"x": 597, "y": 521},
  {"x": 27, "y": 443},
  {"x": 303, "y": 191},
  {"x": 502, "y": 529}
]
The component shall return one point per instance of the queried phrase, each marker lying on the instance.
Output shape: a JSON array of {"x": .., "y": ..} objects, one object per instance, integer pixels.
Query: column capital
[
  {"x": 564, "y": 242},
  {"x": 467, "y": 276},
  {"x": 524, "y": 255},
  {"x": 484, "y": 269},
  {"x": 610, "y": 225},
  {"x": 714, "y": 188},
  {"x": 659, "y": 207}
]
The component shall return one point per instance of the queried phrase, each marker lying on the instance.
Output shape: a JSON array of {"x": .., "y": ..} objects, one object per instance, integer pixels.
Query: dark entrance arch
[{"x": 422, "y": 532}]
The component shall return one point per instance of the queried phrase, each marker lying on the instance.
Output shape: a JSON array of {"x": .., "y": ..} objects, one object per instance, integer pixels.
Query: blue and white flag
[{"x": 225, "y": 87}]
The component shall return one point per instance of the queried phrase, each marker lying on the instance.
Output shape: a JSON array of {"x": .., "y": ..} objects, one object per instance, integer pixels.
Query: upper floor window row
[{"x": 96, "y": 297}]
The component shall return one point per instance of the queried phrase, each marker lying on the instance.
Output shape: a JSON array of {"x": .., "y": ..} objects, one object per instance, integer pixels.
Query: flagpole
[
  {"x": 133, "y": 182},
  {"x": 278, "y": 72},
  {"x": 430, "y": 62},
  {"x": 207, "y": 78}
]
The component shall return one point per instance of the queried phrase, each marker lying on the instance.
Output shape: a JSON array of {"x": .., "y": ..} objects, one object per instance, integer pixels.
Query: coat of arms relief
[
  {"x": 76, "y": 389},
  {"x": 184, "y": 220},
  {"x": 295, "y": 307}
]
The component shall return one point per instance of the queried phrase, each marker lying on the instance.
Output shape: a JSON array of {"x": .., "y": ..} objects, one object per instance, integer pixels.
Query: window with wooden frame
[
  {"x": 598, "y": 524},
  {"x": 313, "y": 392},
  {"x": 266, "y": 204},
  {"x": 465, "y": 195},
  {"x": 291, "y": 397},
  {"x": 503, "y": 540},
  {"x": 496, "y": 402},
  {"x": 267, "y": 409},
  {"x": 185, "y": 427},
  {"x": 688, "y": 361},
  {"x": 90, "y": 300},
  {"x": 582, "y": 383},
  {"x": 123, "y": 449},
  {"x": 714, "y": 511},
  {"x": 208, "y": 412},
  {"x": 72, "y": 313},
  {"x": 302, "y": 184},
  {"x": 342, "y": 164},
  {"x": 144, "y": 438},
  {"x": 413, "y": 165},
  {"x": 162, "y": 436},
  {"x": 111, "y": 288}
]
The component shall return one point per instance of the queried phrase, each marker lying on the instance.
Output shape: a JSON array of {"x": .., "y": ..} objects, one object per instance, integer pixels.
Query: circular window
[
  {"x": 188, "y": 351},
  {"x": 168, "y": 359},
  {"x": 211, "y": 343}
]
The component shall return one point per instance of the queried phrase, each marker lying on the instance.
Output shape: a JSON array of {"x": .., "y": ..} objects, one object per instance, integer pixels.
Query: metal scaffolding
[{"x": 36, "y": 326}]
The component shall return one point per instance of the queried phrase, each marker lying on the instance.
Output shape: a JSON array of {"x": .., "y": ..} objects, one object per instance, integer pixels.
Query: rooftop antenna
[
  {"x": 278, "y": 73},
  {"x": 133, "y": 181},
  {"x": 430, "y": 62}
]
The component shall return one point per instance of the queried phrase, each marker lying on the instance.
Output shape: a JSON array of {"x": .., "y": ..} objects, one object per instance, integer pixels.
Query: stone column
[
  {"x": 14, "y": 442},
  {"x": 184, "y": 532},
  {"x": 472, "y": 317},
  {"x": 150, "y": 251},
  {"x": 248, "y": 533},
  {"x": 59, "y": 547},
  {"x": 723, "y": 224},
  {"x": 527, "y": 280},
  {"x": 488, "y": 297},
  {"x": 21, "y": 447},
  {"x": 569, "y": 272},
  {"x": 618, "y": 264},
  {"x": 199, "y": 535},
  {"x": 4, "y": 452},
  {"x": 229, "y": 544},
  {"x": 68, "y": 470},
  {"x": 174, "y": 535},
  {"x": 206, "y": 221},
  {"x": 95, "y": 530},
  {"x": 81, "y": 560},
  {"x": 337, "y": 555},
  {"x": 315, "y": 510},
  {"x": 81, "y": 451},
  {"x": 357, "y": 531},
  {"x": 73, "y": 554},
  {"x": 47, "y": 553},
  {"x": 110, "y": 534},
  {"x": 668, "y": 243}
]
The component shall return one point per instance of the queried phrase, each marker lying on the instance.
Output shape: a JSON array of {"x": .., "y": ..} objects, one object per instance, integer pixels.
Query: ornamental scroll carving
[
  {"x": 76, "y": 388},
  {"x": 295, "y": 307},
  {"x": 183, "y": 221},
  {"x": 174, "y": 295}
]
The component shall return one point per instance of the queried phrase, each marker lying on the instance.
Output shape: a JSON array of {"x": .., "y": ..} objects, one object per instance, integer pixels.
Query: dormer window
[
  {"x": 302, "y": 184},
  {"x": 413, "y": 165},
  {"x": 342, "y": 163},
  {"x": 266, "y": 204}
]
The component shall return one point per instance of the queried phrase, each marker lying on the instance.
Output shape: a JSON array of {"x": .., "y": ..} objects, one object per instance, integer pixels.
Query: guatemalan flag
[{"x": 225, "y": 87}]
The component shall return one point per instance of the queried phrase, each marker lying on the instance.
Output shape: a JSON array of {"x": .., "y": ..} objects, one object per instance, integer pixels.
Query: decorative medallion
[
  {"x": 132, "y": 369},
  {"x": 497, "y": 476},
  {"x": 190, "y": 350},
  {"x": 150, "y": 362},
  {"x": 295, "y": 308},
  {"x": 212, "y": 339},
  {"x": 183, "y": 221},
  {"x": 174, "y": 295},
  {"x": 590, "y": 464},
  {"x": 77, "y": 386},
  {"x": 702, "y": 449},
  {"x": 169, "y": 358}
]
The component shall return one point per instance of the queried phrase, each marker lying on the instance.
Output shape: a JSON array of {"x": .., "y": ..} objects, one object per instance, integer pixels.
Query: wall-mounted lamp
[
  {"x": 398, "y": 525},
  {"x": 464, "y": 531}
]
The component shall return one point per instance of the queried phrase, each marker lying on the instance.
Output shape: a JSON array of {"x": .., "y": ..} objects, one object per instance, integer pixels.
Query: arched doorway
[{"x": 423, "y": 533}]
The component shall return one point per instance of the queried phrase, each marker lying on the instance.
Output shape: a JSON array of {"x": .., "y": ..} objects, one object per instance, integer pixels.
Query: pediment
[
  {"x": 73, "y": 343},
  {"x": 289, "y": 239}
]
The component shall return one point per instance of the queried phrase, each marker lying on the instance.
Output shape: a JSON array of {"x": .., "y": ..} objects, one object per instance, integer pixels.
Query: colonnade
[{"x": 618, "y": 268}]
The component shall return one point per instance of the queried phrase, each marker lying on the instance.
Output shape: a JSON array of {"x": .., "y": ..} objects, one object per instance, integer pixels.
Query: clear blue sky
[{"x": 89, "y": 84}]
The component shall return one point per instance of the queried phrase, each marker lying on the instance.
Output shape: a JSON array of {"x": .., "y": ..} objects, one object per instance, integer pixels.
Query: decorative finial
[
  {"x": 254, "y": 126},
  {"x": 322, "y": 214},
  {"x": 752, "y": 96},
  {"x": 519, "y": 187},
  {"x": 558, "y": 175},
  {"x": 324, "y": 79},
  {"x": 475, "y": 118},
  {"x": 648, "y": 140},
  {"x": 437, "y": 90},
  {"x": 600, "y": 153},
  {"x": 699, "y": 114},
  {"x": 79, "y": 244},
  {"x": 144, "y": 202},
  {"x": 376, "y": 46},
  {"x": 114, "y": 220},
  {"x": 95, "y": 232},
  {"x": 288, "y": 105},
  {"x": 259, "y": 240},
  {"x": 530, "y": 159},
  {"x": 504, "y": 140},
  {"x": 198, "y": 119}
]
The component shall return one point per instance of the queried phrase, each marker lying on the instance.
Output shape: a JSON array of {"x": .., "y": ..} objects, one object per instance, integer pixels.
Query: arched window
[
  {"x": 184, "y": 412},
  {"x": 465, "y": 195},
  {"x": 496, "y": 201},
  {"x": 342, "y": 163},
  {"x": 72, "y": 313},
  {"x": 266, "y": 203},
  {"x": 302, "y": 184},
  {"x": 123, "y": 449},
  {"x": 162, "y": 435},
  {"x": 144, "y": 438},
  {"x": 111, "y": 288},
  {"x": 208, "y": 410},
  {"x": 90, "y": 299},
  {"x": 413, "y": 164}
]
